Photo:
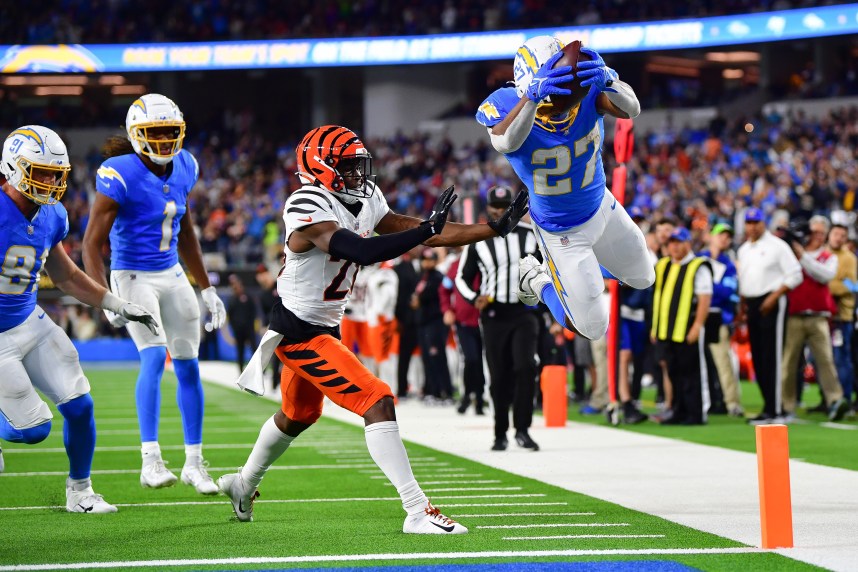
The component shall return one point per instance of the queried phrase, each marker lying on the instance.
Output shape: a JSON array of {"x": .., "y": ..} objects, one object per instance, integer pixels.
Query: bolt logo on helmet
[
  {"x": 35, "y": 161},
  {"x": 334, "y": 157},
  {"x": 155, "y": 127}
]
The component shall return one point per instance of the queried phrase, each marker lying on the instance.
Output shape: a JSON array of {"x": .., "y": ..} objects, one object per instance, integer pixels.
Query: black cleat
[
  {"x": 524, "y": 440},
  {"x": 500, "y": 444}
]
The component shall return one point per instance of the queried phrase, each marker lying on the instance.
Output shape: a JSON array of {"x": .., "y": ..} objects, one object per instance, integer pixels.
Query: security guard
[{"x": 683, "y": 292}]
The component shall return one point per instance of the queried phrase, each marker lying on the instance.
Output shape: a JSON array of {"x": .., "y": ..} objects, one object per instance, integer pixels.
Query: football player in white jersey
[{"x": 330, "y": 223}]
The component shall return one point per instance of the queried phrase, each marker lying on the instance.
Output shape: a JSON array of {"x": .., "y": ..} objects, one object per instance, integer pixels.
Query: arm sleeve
[
  {"x": 703, "y": 280},
  {"x": 347, "y": 245},
  {"x": 822, "y": 272},
  {"x": 466, "y": 273},
  {"x": 790, "y": 267},
  {"x": 623, "y": 96},
  {"x": 109, "y": 182}
]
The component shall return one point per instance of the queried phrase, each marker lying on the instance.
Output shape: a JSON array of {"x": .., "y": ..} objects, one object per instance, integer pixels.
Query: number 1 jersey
[
  {"x": 315, "y": 285},
  {"x": 560, "y": 163},
  {"x": 146, "y": 230}
]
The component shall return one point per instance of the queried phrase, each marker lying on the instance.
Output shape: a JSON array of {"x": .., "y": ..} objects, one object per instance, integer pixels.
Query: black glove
[
  {"x": 438, "y": 218},
  {"x": 504, "y": 225}
]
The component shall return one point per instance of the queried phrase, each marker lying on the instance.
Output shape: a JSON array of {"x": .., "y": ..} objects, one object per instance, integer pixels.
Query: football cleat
[
  {"x": 532, "y": 278},
  {"x": 431, "y": 521},
  {"x": 156, "y": 475},
  {"x": 232, "y": 485},
  {"x": 86, "y": 500},
  {"x": 195, "y": 474}
]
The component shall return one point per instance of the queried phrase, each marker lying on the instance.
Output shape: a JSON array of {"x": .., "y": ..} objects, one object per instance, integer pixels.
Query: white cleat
[
  {"x": 232, "y": 485},
  {"x": 431, "y": 521},
  {"x": 532, "y": 278},
  {"x": 196, "y": 474},
  {"x": 156, "y": 475},
  {"x": 86, "y": 500}
]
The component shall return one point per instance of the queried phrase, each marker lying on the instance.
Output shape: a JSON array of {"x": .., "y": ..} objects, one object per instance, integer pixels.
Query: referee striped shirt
[{"x": 496, "y": 260}]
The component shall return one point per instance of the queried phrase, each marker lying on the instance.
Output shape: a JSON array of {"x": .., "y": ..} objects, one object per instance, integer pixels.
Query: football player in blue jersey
[
  {"x": 559, "y": 158},
  {"x": 141, "y": 201},
  {"x": 35, "y": 353}
]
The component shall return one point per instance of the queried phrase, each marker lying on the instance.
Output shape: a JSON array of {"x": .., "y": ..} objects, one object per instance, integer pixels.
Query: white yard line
[
  {"x": 433, "y": 556},
  {"x": 707, "y": 488},
  {"x": 520, "y": 514},
  {"x": 556, "y": 525},
  {"x": 576, "y": 536}
]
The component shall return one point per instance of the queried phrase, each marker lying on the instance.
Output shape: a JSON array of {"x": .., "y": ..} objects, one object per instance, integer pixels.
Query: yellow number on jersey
[
  {"x": 581, "y": 145},
  {"x": 18, "y": 264},
  {"x": 562, "y": 163}
]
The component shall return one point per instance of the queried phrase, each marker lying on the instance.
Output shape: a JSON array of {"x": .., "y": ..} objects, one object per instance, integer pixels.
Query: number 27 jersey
[
  {"x": 314, "y": 285},
  {"x": 561, "y": 166}
]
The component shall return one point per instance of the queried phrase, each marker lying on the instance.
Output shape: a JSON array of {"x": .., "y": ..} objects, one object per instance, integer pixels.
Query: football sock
[
  {"x": 190, "y": 399},
  {"x": 193, "y": 454},
  {"x": 79, "y": 435},
  {"x": 78, "y": 484},
  {"x": 151, "y": 451},
  {"x": 148, "y": 391},
  {"x": 30, "y": 435},
  {"x": 550, "y": 298},
  {"x": 386, "y": 449},
  {"x": 270, "y": 445}
]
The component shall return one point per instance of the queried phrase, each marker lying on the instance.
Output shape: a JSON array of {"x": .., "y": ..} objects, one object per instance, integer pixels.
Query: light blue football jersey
[
  {"x": 25, "y": 245},
  {"x": 561, "y": 165},
  {"x": 146, "y": 229}
]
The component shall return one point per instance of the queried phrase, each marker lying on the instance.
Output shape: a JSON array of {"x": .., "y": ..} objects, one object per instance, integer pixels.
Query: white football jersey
[
  {"x": 382, "y": 290},
  {"x": 315, "y": 285},
  {"x": 356, "y": 306}
]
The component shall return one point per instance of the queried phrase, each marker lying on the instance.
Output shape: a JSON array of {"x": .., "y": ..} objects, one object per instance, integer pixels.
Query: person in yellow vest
[{"x": 683, "y": 292}]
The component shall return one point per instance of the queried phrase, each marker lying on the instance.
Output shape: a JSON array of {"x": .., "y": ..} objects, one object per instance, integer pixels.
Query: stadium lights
[
  {"x": 59, "y": 90},
  {"x": 111, "y": 80},
  {"x": 128, "y": 90},
  {"x": 672, "y": 70},
  {"x": 46, "y": 80},
  {"x": 733, "y": 57},
  {"x": 733, "y": 73}
]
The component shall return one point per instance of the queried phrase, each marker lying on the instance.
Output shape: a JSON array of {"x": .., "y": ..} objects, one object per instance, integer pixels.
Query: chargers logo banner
[{"x": 63, "y": 58}]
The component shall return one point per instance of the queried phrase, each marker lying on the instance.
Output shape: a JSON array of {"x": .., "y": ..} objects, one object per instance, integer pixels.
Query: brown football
[{"x": 571, "y": 56}]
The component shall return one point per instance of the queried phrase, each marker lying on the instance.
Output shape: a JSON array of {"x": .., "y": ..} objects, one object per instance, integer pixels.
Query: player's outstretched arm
[
  {"x": 73, "y": 281},
  {"x": 617, "y": 97},
  {"x": 101, "y": 217},
  {"x": 189, "y": 249}
]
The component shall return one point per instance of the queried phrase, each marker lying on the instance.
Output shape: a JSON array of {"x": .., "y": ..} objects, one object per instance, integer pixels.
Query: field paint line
[
  {"x": 474, "y": 505},
  {"x": 453, "y": 482},
  {"x": 128, "y": 448},
  {"x": 839, "y": 426},
  {"x": 210, "y": 469},
  {"x": 279, "y": 501},
  {"x": 511, "y": 514},
  {"x": 447, "y": 475},
  {"x": 556, "y": 525},
  {"x": 457, "y": 489},
  {"x": 369, "y": 557},
  {"x": 574, "y": 536}
]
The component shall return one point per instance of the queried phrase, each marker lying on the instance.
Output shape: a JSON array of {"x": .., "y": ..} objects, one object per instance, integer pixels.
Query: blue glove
[
  {"x": 852, "y": 286},
  {"x": 601, "y": 78},
  {"x": 546, "y": 80},
  {"x": 595, "y": 60}
]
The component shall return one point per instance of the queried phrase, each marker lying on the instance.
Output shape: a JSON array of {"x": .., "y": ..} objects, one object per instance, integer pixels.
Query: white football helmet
[
  {"x": 29, "y": 154},
  {"x": 148, "y": 114},
  {"x": 531, "y": 56}
]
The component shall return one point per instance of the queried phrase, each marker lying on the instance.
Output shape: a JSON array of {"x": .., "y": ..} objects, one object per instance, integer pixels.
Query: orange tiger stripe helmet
[{"x": 334, "y": 157}]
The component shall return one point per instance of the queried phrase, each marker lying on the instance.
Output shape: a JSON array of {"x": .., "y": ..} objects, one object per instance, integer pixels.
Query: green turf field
[
  {"x": 325, "y": 498},
  {"x": 811, "y": 438}
]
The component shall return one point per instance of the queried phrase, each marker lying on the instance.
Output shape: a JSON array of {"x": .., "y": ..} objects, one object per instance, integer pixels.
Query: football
[{"x": 571, "y": 56}]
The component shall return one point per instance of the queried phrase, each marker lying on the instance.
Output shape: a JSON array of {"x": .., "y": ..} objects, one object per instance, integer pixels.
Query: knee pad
[
  {"x": 37, "y": 434},
  {"x": 183, "y": 348},
  {"x": 78, "y": 408},
  {"x": 641, "y": 282}
]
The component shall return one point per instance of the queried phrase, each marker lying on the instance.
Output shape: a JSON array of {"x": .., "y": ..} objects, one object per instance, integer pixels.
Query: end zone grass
[{"x": 325, "y": 501}]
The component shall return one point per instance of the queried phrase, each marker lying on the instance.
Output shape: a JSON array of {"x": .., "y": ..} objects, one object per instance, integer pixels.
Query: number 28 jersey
[
  {"x": 146, "y": 230},
  {"x": 314, "y": 285},
  {"x": 561, "y": 166}
]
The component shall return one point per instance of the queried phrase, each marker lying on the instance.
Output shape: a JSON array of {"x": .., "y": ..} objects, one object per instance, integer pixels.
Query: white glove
[
  {"x": 215, "y": 306},
  {"x": 120, "y": 312},
  {"x": 115, "y": 320}
]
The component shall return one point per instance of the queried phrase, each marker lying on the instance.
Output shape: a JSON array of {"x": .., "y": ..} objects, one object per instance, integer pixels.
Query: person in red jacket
[{"x": 465, "y": 319}]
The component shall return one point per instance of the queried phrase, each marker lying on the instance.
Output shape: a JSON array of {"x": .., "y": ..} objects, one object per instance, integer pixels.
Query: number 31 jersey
[
  {"x": 560, "y": 163},
  {"x": 146, "y": 229},
  {"x": 25, "y": 245},
  {"x": 315, "y": 285}
]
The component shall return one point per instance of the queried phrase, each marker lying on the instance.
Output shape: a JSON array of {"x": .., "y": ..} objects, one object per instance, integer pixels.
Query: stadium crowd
[{"x": 106, "y": 21}]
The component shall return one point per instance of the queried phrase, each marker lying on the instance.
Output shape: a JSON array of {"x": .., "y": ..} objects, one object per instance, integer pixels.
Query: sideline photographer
[{"x": 810, "y": 307}]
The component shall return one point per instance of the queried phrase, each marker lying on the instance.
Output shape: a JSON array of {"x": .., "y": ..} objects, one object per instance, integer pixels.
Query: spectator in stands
[
  {"x": 810, "y": 307},
  {"x": 842, "y": 326},
  {"x": 406, "y": 316},
  {"x": 680, "y": 309},
  {"x": 767, "y": 270},
  {"x": 267, "y": 299},
  {"x": 241, "y": 314},
  {"x": 724, "y": 297}
]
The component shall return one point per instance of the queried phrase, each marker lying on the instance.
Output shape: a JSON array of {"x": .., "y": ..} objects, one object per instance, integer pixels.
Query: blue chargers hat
[
  {"x": 681, "y": 234},
  {"x": 636, "y": 212},
  {"x": 754, "y": 214}
]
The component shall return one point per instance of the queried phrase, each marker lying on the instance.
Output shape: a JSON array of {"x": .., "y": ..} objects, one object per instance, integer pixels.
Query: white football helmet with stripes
[
  {"x": 35, "y": 161},
  {"x": 155, "y": 127},
  {"x": 531, "y": 56}
]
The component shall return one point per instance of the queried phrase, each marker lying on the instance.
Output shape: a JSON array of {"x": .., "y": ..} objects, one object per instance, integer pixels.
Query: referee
[
  {"x": 767, "y": 270},
  {"x": 510, "y": 329}
]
